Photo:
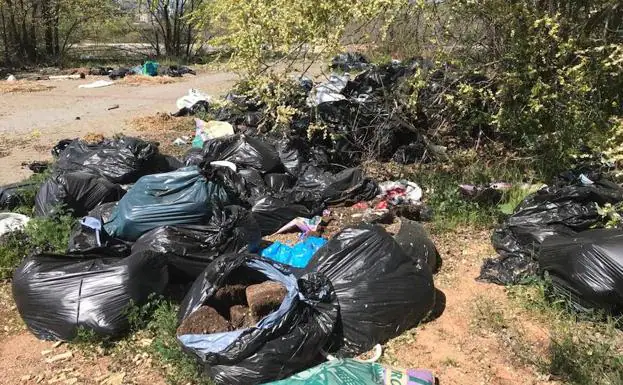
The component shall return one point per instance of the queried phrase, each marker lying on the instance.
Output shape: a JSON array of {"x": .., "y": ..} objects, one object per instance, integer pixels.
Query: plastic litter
[
  {"x": 10, "y": 222},
  {"x": 210, "y": 130},
  {"x": 150, "y": 68},
  {"x": 121, "y": 160},
  {"x": 189, "y": 249},
  {"x": 273, "y": 213},
  {"x": 97, "y": 84},
  {"x": 77, "y": 191},
  {"x": 416, "y": 243},
  {"x": 298, "y": 255},
  {"x": 89, "y": 237},
  {"x": 193, "y": 97},
  {"x": 56, "y": 295},
  {"x": 244, "y": 151},
  {"x": 11, "y": 78},
  {"x": 550, "y": 211},
  {"x": 175, "y": 198},
  {"x": 304, "y": 225},
  {"x": 284, "y": 342},
  {"x": 401, "y": 192},
  {"x": 587, "y": 268},
  {"x": 380, "y": 290},
  {"x": 349, "y": 61},
  {"x": 350, "y": 372},
  {"x": 16, "y": 194}
]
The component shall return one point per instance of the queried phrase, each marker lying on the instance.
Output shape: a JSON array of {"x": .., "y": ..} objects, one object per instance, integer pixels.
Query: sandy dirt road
[{"x": 31, "y": 122}]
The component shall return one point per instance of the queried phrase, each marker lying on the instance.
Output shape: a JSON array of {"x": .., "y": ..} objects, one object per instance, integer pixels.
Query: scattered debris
[
  {"x": 59, "y": 357},
  {"x": 113, "y": 107}
]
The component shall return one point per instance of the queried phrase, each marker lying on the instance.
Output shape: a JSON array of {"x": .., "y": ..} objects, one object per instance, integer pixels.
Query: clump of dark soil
[
  {"x": 235, "y": 306},
  {"x": 265, "y": 298},
  {"x": 205, "y": 320},
  {"x": 240, "y": 317}
]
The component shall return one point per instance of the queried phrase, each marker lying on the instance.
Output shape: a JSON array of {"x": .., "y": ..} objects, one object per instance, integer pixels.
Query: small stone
[{"x": 59, "y": 357}]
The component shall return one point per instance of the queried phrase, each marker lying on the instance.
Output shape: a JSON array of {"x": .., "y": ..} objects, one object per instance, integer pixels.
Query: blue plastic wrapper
[{"x": 298, "y": 255}]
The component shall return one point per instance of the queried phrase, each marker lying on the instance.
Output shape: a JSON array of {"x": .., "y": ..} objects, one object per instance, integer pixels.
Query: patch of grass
[
  {"x": 38, "y": 236},
  {"x": 180, "y": 368},
  {"x": 140, "y": 80},
  {"x": 584, "y": 349},
  {"x": 488, "y": 316}
]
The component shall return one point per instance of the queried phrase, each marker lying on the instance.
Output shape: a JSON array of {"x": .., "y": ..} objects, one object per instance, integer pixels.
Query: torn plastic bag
[
  {"x": 349, "y": 61},
  {"x": 122, "y": 160},
  {"x": 416, "y": 243},
  {"x": 297, "y": 256},
  {"x": 380, "y": 290},
  {"x": 17, "y": 194},
  {"x": 78, "y": 191},
  {"x": 89, "y": 237},
  {"x": 272, "y": 213},
  {"x": 344, "y": 188},
  {"x": 189, "y": 249},
  {"x": 56, "y": 295},
  {"x": 243, "y": 151},
  {"x": 278, "y": 182},
  {"x": 329, "y": 91},
  {"x": 284, "y": 342},
  {"x": 351, "y": 372},
  {"x": 550, "y": 211},
  {"x": 179, "y": 197},
  {"x": 589, "y": 266}
]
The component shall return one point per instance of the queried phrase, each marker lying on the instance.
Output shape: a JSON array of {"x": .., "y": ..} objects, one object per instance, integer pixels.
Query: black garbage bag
[
  {"x": 60, "y": 147},
  {"x": 349, "y": 61},
  {"x": 89, "y": 237},
  {"x": 183, "y": 196},
  {"x": 293, "y": 154},
  {"x": 254, "y": 183},
  {"x": 416, "y": 243},
  {"x": 243, "y": 151},
  {"x": 380, "y": 290},
  {"x": 122, "y": 160},
  {"x": 587, "y": 268},
  {"x": 103, "y": 211},
  {"x": 278, "y": 182},
  {"x": 344, "y": 188},
  {"x": 119, "y": 73},
  {"x": 548, "y": 212},
  {"x": 272, "y": 213},
  {"x": 284, "y": 342},
  {"x": 201, "y": 106},
  {"x": 78, "y": 191},
  {"x": 193, "y": 157},
  {"x": 17, "y": 194},
  {"x": 189, "y": 249},
  {"x": 56, "y": 294}
]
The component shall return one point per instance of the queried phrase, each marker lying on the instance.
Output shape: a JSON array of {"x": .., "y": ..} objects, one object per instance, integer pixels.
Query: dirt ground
[
  {"x": 459, "y": 345},
  {"x": 30, "y": 122}
]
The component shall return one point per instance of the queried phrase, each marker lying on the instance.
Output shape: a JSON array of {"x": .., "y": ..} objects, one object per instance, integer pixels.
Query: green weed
[
  {"x": 584, "y": 349},
  {"x": 179, "y": 367},
  {"x": 38, "y": 236}
]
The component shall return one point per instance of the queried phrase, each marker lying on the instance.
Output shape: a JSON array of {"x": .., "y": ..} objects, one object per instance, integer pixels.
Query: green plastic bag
[
  {"x": 150, "y": 68},
  {"x": 351, "y": 372}
]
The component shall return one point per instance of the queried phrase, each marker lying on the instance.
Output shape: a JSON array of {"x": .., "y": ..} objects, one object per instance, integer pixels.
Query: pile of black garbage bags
[
  {"x": 560, "y": 230},
  {"x": 147, "y": 221}
]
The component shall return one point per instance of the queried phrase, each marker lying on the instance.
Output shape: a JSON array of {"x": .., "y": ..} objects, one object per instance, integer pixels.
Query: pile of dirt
[
  {"x": 235, "y": 306},
  {"x": 205, "y": 320}
]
